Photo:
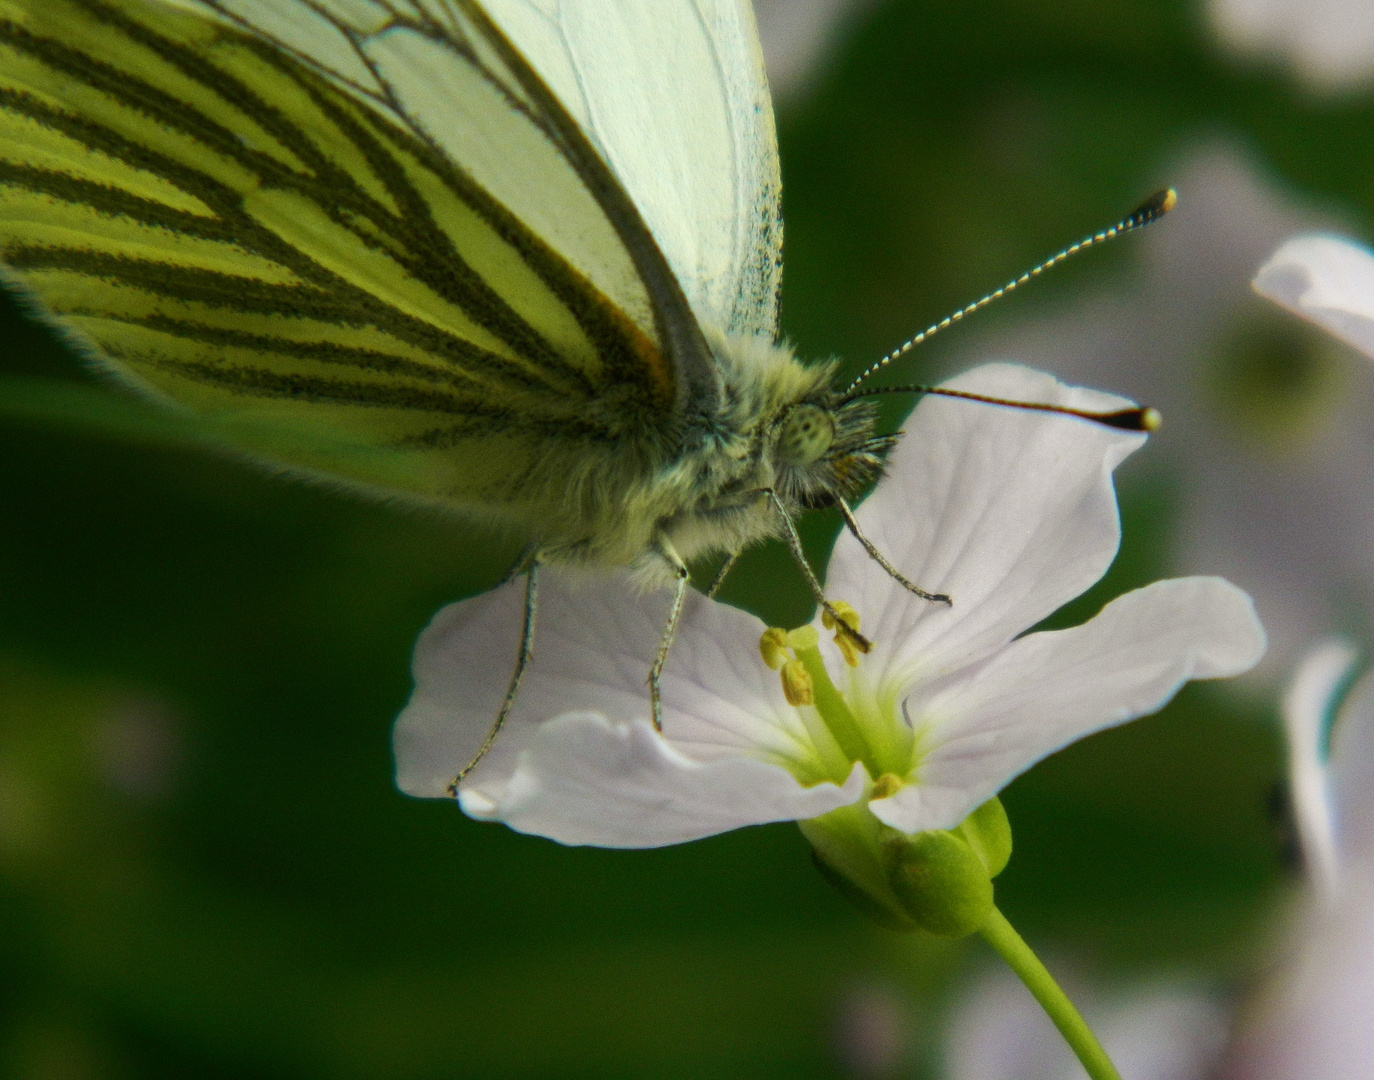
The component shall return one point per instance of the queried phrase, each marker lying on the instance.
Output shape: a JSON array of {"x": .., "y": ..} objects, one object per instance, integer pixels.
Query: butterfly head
[{"x": 825, "y": 451}]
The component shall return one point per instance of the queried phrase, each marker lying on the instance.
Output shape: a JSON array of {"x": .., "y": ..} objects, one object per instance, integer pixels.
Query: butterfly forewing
[
  {"x": 267, "y": 246},
  {"x": 673, "y": 93},
  {"x": 669, "y": 97}
]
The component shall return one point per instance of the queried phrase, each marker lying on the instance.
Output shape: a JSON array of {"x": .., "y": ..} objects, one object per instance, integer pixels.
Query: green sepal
[
  {"x": 871, "y": 904},
  {"x": 939, "y": 880},
  {"x": 847, "y": 846},
  {"x": 988, "y": 832}
]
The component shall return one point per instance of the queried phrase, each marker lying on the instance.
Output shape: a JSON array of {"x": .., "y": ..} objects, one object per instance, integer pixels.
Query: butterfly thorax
[{"x": 778, "y": 428}]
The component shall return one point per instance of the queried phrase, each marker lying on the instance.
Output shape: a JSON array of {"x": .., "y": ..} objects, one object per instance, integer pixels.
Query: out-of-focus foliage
[{"x": 204, "y": 868}]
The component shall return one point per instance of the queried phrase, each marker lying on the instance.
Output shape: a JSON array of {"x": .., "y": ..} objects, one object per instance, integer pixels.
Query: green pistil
[{"x": 835, "y": 711}]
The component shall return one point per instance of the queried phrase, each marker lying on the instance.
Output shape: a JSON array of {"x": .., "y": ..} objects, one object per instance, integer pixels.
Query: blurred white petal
[
  {"x": 1350, "y": 771},
  {"x": 1317, "y": 1020},
  {"x": 1327, "y": 280},
  {"x": 1328, "y": 43},
  {"x": 1156, "y": 1030},
  {"x": 799, "y": 36},
  {"x": 1307, "y": 709}
]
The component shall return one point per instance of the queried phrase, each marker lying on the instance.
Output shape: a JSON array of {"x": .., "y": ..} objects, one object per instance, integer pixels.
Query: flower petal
[
  {"x": 1307, "y": 708},
  {"x": 1351, "y": 771},
  {"x": 1326, "y": 280},
  {"x": 1049, "y": 689},
  {"x": 594, "y": 642},
  {"x": 584, "y": 779},
  {"x": 1317, "y": 1018},
  {"x": 1010, "y": 512}
]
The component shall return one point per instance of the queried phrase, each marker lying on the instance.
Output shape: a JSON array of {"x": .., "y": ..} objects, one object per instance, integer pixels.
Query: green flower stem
[{"x": 1012, "y": 948}]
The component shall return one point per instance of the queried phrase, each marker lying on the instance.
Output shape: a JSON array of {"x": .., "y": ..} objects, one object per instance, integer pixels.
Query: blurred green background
[{"x": 204, "y": 868}]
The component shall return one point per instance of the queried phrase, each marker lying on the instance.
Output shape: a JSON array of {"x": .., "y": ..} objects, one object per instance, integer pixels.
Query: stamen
[
  {"x": 796, "y": 655},
  {"x": 773, "y": 647},
  {"x": 842, "y": 611},
  {"x": 797, "y": 686},
  {"x": 843, "y": 641}
]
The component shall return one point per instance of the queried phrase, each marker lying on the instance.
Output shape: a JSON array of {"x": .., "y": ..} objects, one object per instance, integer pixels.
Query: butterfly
[{"x": 518, "y": 259}]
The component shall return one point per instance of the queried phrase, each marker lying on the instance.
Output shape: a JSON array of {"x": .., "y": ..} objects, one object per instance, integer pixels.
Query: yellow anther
[
  {"x": 797, "y": 686},
  {"x": 1150, "y": 420},
  {"x": 773, "y": 647},
  {"x": 845, "y": 612},
  {"x": 803, "y": 637},
  {"x": 886, "y": 786},
  {"x": 850, "y": 648}
]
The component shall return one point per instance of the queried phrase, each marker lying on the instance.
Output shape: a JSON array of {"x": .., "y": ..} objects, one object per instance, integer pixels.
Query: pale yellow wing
[
  {"x": 675, "y": 97},
  {"x": 326, "y": 284}
]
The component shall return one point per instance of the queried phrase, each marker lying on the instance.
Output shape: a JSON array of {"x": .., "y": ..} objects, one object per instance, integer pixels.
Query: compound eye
[{"x": 807, "y": 434}]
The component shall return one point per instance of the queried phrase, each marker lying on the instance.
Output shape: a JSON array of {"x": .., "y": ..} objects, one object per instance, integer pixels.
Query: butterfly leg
[
  {"x": 684, "y": 579},
  {"x": 794, "y": 544},
  {"x": 877, "y": 556},
  {"x": 529, "y": 555},
  {"x": 529, "y": 561},
  {"x": 721, "y": 574}
]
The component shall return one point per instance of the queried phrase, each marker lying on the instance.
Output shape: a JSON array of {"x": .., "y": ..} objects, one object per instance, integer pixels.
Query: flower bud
[{"x": 846, "y": 848}]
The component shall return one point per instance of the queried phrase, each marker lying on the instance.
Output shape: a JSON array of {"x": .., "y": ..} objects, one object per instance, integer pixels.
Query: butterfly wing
[
  {"x": 672, "y": 94},
  {"x": 402, "y": 262},
  {"x": 675, "y": 97}
]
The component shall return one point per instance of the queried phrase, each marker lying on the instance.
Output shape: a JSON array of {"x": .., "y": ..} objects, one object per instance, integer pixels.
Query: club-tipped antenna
[
  {"x": 1140, "y": 418},
  {"x": 1152, "y": 209}
]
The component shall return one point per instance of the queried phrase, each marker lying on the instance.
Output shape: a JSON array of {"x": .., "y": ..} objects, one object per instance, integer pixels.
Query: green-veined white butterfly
[{"x": 519, "y": 258}]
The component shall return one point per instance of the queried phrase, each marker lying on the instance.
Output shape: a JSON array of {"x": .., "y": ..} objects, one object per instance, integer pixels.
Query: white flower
[
  {"x": 1326, "y": 280},
  {"x": 1011, "y": 513}
]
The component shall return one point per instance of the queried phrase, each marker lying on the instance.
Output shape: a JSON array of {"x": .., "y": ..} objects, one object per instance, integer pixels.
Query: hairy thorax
[{"x": 706, "y": 492}]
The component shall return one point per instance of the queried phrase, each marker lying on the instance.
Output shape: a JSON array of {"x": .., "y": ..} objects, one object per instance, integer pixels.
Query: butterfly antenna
[
  {"x": 1152, "y": 209},
  {"x": 1136, "y": 419}
]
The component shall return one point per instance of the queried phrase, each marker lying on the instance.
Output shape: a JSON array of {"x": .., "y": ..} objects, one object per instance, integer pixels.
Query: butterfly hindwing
[{"x": 336, "y": 290}]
